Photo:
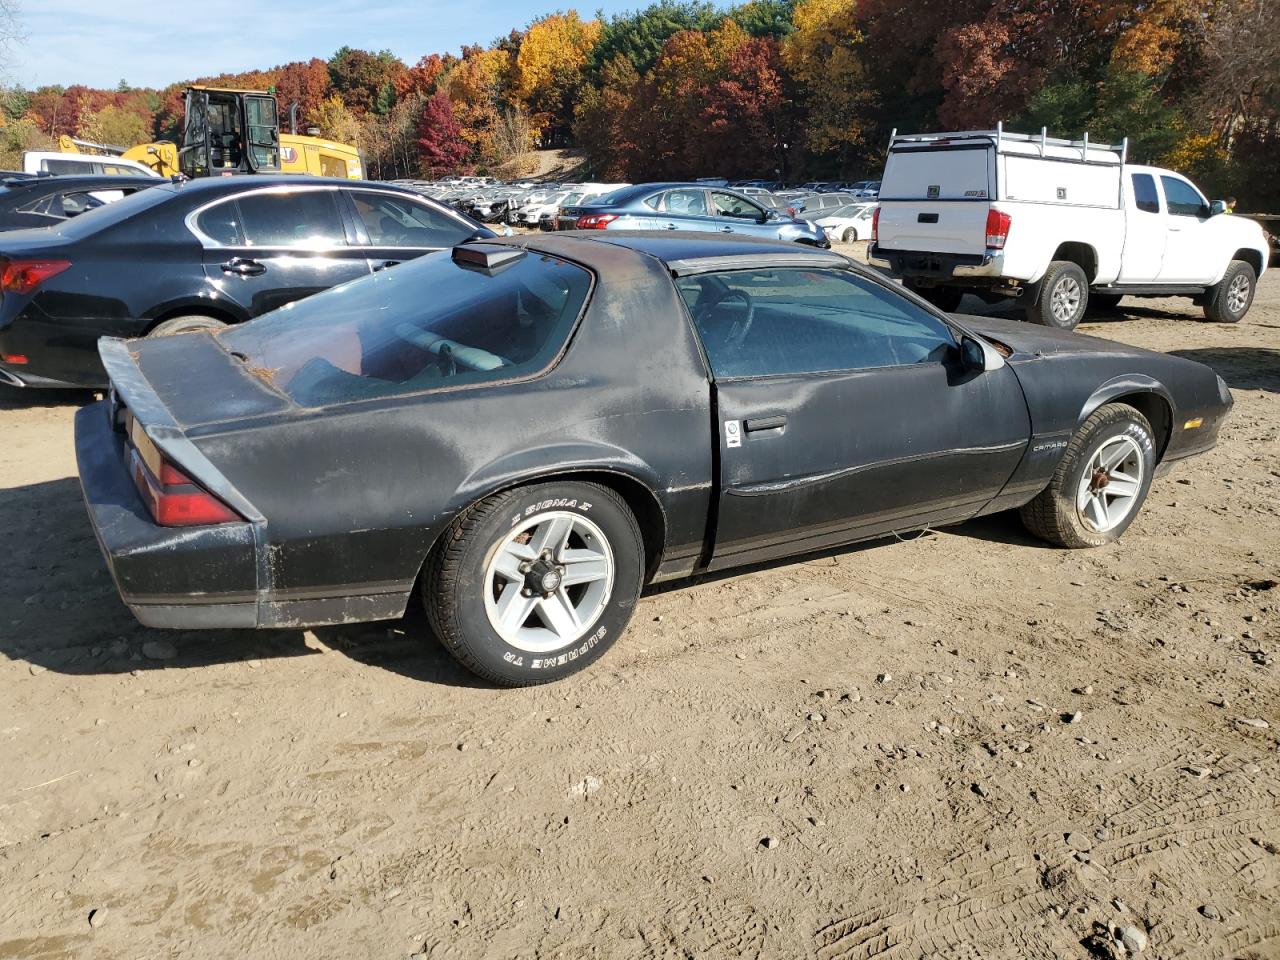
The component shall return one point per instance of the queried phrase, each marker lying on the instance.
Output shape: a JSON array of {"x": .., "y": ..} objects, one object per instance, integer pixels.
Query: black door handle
[
  {"x": 766, "y": 423},
  {"x": 384, "y": 264},
  {"x": 244, "y": 267}
]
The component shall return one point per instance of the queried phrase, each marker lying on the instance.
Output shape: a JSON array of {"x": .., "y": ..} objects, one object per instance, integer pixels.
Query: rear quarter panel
[{"x": 355, "y": 496}]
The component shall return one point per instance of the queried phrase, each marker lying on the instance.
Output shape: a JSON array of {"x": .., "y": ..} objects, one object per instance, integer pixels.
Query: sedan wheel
[
  {"x": 1100, "y": 483},
  {"x": 536, "y": 583}
]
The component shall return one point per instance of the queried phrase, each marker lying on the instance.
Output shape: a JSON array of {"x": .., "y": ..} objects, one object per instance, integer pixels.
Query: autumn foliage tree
[
  {"x": 441, "y": 145},
  {"x": 767, "y": 88}
]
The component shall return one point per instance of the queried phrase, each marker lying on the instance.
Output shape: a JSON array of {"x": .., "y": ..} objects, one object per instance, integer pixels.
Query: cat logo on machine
[{"x": 732, "y": 433}]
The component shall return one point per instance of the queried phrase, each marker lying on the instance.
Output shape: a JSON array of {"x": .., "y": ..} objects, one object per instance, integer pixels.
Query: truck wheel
[
  {"x": 186, "y": 324},
  {"x": 535, "y": 583},
  {"x": 946, "y": 299},
  {"x": 1230, "y": 298},
  {"x": 1063, "y": 297},
  {"x": 1100, "y": 484}
]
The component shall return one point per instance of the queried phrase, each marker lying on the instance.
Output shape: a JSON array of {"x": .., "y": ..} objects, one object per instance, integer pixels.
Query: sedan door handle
[
  {"x": 244, "y": 267},
  {"x": 766, "y": 423},
  {"x": 726, "y": 229},
  {"x": 673, "y": 226}
]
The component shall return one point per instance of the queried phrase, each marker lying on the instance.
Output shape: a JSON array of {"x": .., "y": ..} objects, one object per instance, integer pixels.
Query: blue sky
[{"x": 152, "y": 44}]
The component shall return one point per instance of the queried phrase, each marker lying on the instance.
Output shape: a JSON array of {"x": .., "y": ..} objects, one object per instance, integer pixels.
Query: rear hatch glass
[{"x": 429, "y": 324}]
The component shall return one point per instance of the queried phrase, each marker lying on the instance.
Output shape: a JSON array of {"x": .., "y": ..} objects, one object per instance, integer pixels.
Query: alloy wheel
[
  {"x": 1065, "y": 299},
  {"x": 548, "y": 580},
  {"x": 1112, "y": 483}
]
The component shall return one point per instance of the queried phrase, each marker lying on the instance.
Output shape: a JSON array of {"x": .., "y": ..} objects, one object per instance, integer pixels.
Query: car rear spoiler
[{"x": 130, "y": 385}]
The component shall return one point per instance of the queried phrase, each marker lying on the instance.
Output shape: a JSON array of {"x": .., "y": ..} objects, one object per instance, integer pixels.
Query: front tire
[
  {"x": 1063, "y": 297},
  {"x": 534, "y": 584},
  {"x": 851, "y": 235},
  {"x": 1100, "y": 484},
  {"x": 1230, "y": 298}
]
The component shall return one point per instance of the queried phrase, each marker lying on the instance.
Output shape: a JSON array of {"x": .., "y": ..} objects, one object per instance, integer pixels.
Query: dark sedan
[
  {"x": 183, "y": 256},
  {"x": 690, "y": 207},
  {"x": 529, "y": 430},
  {"x": 27, "y": 202}
]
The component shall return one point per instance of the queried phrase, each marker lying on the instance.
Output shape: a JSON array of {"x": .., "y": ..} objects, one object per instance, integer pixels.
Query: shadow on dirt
[
  {"x": 15, "y": 398},
  {"x": 59, "y": 610},
  {"x": 1244, "y": 368}
]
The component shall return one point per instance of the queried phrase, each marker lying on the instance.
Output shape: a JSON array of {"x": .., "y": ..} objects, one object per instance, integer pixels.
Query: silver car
[{"x": 692, "y": 207}]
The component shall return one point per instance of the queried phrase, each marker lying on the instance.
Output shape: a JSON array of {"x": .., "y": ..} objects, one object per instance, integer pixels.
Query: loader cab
[{"x": 228, "y": 132}]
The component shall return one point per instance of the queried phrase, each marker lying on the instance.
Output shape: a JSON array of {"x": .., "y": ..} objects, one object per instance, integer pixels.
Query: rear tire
[
  {"x": 851, "y": 235},
  {"x": 1063, "y": 297},
  {"x": 1115, "y": 440},
  {"x": 186, "y": 324},
  {"x": 534, "y": 584},
  {"x": 1230, "y": 298}
]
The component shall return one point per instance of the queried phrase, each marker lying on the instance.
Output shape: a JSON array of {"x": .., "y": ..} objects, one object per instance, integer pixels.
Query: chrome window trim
[{"x": 208, "y": 242}]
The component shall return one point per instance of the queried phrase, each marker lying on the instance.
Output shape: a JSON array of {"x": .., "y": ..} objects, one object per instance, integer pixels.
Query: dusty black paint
[{"x": 351, "y": 498}]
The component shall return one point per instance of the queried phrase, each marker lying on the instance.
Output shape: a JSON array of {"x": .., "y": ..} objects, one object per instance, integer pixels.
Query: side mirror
[
  {"x": 978, "y": 355},
  {"x": 1217, "y": 207}
]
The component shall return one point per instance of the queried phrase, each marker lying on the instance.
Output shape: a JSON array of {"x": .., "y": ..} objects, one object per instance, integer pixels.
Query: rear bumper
[
  {"x": 192, "y": 578},
  {"x": 925, "y": 265},
  {"x": 167, "y": 576}
]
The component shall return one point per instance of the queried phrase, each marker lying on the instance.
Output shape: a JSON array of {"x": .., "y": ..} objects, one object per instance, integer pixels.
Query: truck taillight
[
  {"x": 997, "y": 229},
  {"x": 175, "y": 500},
  {"x": 875, "y": 226},
  {"x": 23, "y": 276},
  {"x": 595, "y": 221}
]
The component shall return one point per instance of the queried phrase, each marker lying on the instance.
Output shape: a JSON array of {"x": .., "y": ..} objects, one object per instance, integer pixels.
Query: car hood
[{"x": 1035, "y": 340}]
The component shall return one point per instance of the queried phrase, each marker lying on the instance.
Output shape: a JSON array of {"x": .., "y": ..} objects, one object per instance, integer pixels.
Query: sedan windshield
[{"x": 429, "y": 324}]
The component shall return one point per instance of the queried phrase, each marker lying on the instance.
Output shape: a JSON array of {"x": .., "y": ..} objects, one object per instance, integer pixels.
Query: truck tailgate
[{"x": 938, "y": 226}]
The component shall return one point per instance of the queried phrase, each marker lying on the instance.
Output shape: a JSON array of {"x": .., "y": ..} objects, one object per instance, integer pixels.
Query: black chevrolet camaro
[{"x": 526, "y": 432}]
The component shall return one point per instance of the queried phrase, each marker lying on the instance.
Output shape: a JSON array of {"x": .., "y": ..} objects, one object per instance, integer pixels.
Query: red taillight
[
  {"x": 595, "y": 221},
  {"x": 875, "y": 226},
  {"x": 997, "y": 229},
  {"x": 23, "y": 276},
  {"x": 175, "y": 500},
  {"x": 791, "y": 212},
  {"x": 14, "y": 358}
]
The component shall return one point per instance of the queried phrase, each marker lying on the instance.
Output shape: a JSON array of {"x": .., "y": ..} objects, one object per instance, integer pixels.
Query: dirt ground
[{"x": 962, "y": 745}]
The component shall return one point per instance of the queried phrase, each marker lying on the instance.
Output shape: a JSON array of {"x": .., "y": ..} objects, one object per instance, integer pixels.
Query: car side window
[
  {"x": 689, "y": 203},
  {"x": 1145, "y": 197},
  {"x": 727, "y": 205},
  {"x": 400, "y": 222},
  {"x": 1182, "y": 199},
  {"x": 221, "y": 224},
  {"x": 773, "y": 322},
  {"x": 74, "y": 204},
  {"x": 307, "y": 218}
]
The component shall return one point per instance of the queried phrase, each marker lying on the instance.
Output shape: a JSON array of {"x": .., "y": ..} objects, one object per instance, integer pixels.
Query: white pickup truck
[{"x": 1058, "y": 224}]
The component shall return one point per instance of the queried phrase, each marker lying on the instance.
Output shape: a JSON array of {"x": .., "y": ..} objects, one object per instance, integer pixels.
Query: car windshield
[{"x": 428, "y": 324}]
